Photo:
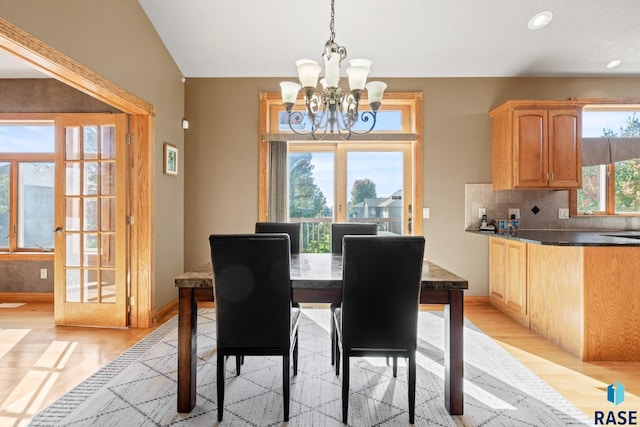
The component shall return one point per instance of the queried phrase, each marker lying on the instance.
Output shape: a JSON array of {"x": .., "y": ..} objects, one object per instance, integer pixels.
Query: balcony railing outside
[{"x": 316, "y": 232}]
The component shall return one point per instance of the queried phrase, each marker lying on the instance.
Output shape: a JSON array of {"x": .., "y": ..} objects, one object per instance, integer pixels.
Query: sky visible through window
[
  {"x": 593, "y": 122},
  {"x": 383, "y": 168},
  {"x": 26, "y": 138}
]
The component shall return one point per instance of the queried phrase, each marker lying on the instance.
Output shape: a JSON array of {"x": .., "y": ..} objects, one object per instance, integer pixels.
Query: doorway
[{"x": 140, "y": 162}]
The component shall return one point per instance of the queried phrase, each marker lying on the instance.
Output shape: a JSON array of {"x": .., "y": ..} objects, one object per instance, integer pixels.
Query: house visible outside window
[
  {"x": 27, "y": 186},
  {"x": 611, "y": 162}
]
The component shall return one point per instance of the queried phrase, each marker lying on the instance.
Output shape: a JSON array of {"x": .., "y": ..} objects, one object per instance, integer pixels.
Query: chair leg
[
  {"x": 220, "y": 384},
  {"x": 395, "y": 367},
  {"x": 337, "y": 355},
  {"x": 345, "y": 386},
  {"x": 239, "y": 360},
  {"x": 332, "y": 330},
  {"x": 295, "y": 356},
  {"x": 285, "y": 385},
  {"x": 412, "y": 386}
]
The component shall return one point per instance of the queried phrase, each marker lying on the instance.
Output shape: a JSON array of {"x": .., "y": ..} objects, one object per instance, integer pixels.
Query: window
[
  {"x": 26, "y": 186},
  {"x": 611, "y": 159},
  {"x": 374, "y": 178}
]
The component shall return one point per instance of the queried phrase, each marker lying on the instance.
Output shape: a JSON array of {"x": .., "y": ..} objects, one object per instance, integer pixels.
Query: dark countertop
[
  {"x": 324, "y": 271},
  {"x": 570, "y": 237}
]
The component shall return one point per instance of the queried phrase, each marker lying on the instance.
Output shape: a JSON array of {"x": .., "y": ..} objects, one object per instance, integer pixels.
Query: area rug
[{"x": 139, "y": 387}]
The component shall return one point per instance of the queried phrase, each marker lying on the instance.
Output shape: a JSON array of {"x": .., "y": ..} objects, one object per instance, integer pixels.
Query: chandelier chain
[{"x": 333, "y": 33}]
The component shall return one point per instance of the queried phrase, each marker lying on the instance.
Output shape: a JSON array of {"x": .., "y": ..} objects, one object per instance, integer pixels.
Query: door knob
[{"x": 58, "y": 230}]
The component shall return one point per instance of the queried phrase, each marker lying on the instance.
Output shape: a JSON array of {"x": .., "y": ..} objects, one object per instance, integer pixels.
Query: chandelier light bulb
[
  {"x": 360, "y": 62},
  {"x": 375, "y": 91},
  {"x": 289, "y": 92},
  {"x": 308, "y": 73},
  {"x": 357, "y": 77}
]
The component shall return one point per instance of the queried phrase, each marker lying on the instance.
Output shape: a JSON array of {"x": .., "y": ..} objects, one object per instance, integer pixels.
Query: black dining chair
[
  {"x": 379, "y": 311},
  {"x": 291, "y": 228},
  {"x": 254, "y": 312},
  {"x": 338, "y": 231},
  {"x": 341, "y": 229}
]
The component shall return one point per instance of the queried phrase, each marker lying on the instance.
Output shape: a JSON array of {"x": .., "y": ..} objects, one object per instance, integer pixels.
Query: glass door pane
[
  {"x": 375, "y": 189},
  {"x": 91, "y": 267},
  {"x": 311, "y": 184}
]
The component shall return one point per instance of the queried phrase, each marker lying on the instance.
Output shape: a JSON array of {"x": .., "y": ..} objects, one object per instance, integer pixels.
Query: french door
[
  {"x": 351, "y": 182},
  {"x": 90, "y": 220}
]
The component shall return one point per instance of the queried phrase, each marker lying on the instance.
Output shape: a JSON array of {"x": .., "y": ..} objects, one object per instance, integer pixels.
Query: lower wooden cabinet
[
  {"x": 584, "y": 299},
  {"x": 508, "y": 291}
]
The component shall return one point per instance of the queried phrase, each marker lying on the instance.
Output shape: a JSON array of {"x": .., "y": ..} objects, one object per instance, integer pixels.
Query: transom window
[{"x": 27, "y": 186}]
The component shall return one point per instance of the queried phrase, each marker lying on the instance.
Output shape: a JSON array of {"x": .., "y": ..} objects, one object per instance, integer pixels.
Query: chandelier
[{"x": 332, "y": 109}]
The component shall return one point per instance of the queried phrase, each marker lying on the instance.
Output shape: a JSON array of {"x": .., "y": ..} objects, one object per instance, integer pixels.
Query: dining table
[{"x": 317, "y": 278}]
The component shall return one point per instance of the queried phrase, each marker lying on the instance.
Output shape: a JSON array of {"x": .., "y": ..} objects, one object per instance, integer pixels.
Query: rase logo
[{"x": 615, "y": 395}]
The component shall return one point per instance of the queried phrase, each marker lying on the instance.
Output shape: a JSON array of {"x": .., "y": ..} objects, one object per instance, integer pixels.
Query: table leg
[
  {"x": 187, "y": 349},
  {"x": 453, "y": 353}
]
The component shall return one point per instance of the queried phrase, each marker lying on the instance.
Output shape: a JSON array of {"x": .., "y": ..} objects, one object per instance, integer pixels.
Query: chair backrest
[
  {"x": 291, "y": 228},
  {"x": 341, "y": 229},
  {"x": 252, "y": 289},
  {"x": 381, "y": 291}
]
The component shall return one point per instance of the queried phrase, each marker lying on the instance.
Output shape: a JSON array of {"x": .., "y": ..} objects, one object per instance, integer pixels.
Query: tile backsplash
[{"x": 538, "y": 210}]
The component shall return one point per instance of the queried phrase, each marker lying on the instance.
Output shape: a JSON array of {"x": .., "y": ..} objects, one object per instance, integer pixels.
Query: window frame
[
  {"x": 606, "y": 104},
  {"x": 15, "y": 159},
  {"x": 410, "y": 103}
]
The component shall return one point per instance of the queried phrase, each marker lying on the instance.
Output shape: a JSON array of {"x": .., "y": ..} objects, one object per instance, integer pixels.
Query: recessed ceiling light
[
  {"x": 614, "y": 63},
  {"x": 541, "y": 19}
]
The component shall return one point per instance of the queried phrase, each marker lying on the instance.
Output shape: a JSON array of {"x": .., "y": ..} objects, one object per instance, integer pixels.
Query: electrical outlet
[
  {"x": 482, "y": 211},
  {"x": 515, "y": 212},
  {"x": 563, "y": 213},
  {"x": 43, "y": 273}
]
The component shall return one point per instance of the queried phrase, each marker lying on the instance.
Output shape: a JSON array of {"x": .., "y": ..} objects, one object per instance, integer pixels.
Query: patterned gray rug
[{"x": 139, "y": 387}]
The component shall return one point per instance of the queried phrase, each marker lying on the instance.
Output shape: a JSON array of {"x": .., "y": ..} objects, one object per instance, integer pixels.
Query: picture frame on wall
[{"x": 170, "y": 159}]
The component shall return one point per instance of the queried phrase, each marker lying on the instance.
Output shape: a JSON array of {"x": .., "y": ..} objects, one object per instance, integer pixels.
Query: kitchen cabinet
[
  {"x": 584, "y": 298},
  {"x": 537, "y": 145},
  {"x": 508, "y": 278}
]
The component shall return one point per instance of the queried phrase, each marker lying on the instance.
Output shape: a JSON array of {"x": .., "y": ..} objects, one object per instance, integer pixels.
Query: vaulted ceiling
[{"x": 405, "y": 38}]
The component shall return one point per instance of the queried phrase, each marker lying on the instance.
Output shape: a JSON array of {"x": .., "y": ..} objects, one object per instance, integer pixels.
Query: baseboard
[
  {"x": 26, "y": 297},
  {"x": 476, "y": 300},
  {"x": 165, "y": 311}
]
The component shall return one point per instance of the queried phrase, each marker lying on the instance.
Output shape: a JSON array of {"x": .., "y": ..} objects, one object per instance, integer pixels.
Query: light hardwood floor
[{"x": 39, "y": 362}]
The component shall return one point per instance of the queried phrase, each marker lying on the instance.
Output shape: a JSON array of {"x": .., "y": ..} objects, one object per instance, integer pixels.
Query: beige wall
[
  {"x": 221, "y": 156},
  {"x": 114, "y": 38}
]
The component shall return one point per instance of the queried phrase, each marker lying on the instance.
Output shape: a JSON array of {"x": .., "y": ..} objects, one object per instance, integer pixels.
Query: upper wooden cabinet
[{"x": 537, "y": 145}]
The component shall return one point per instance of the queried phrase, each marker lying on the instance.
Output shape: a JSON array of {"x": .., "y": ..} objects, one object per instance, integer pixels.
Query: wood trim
[
  {"x": 165, "y": 311},
  {"x": 418, "y": 162},
  {"x": 262, "y": 155},
  {"x": 59, "y": 66},
  {"x": 27, "y": 297},
  {"x": 142, "y": 209},
  {"x": 26, "y": 256}
]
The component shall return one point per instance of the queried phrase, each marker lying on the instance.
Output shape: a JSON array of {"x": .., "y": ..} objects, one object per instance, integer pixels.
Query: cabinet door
[
  {"x": 497, "y": 269},
  {"x": 565, "y": 150},
  {"x": 530, "y": 149},
  {"x": 516, "y": 287}
]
